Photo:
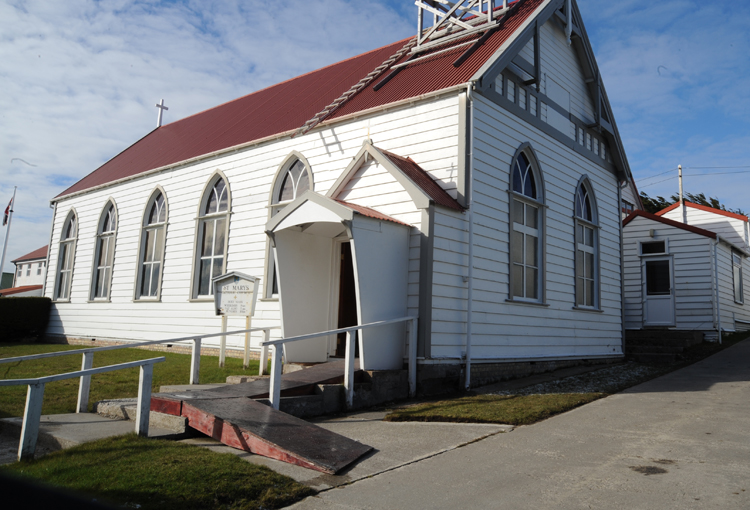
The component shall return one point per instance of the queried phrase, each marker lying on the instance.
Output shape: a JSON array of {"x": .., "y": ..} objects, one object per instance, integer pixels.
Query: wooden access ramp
[{"x": 231, "y": 415}]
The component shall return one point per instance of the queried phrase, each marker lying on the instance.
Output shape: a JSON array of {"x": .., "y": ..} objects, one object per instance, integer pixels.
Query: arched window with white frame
[
  {"x": 587, "y": 246},
  {"x": 65, "y": 257},
  {"x": 104, "y": 254},
  {"x": 153, "y": 238},
  {"x": 212, "y": 236},
  {"x": 293, "y": 178},
  {"x": 527, "y": 218}
]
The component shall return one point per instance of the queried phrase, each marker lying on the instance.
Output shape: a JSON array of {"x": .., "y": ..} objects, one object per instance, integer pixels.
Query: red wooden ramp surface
[{"x": 230, "y": 415}]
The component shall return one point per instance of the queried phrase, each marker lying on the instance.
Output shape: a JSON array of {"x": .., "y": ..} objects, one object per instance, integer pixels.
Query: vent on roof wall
[{"x": 453, "y": 20}]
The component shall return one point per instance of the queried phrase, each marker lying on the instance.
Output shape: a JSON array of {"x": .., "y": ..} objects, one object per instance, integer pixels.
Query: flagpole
[{"x": 7, "y": 231}]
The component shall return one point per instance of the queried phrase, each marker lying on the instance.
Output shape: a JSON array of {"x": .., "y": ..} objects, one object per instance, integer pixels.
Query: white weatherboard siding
[
  {"x": 731, "y": 229},
  {"x": 731, "y": 310},
  {"x": 694, "y": 278},
  {"x": 692, "y": 259},
  {"x": 511, "y": 330},
  {"x": 426, "y": 131}
]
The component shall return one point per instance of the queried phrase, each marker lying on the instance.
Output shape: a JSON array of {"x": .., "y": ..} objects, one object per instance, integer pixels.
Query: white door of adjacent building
[{"x": 658, "y": 290}]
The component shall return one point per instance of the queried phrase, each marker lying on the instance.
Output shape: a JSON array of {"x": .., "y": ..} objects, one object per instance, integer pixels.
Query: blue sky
[{"x": 80, "y": 78}]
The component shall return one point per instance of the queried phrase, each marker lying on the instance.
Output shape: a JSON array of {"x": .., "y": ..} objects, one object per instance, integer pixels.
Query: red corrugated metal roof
[
  {"x": 702, "y": 208},
  {"x": 41, "y": 253},
  {"x": 422, "y": 179},
  {"x": 288, "y": 105}
]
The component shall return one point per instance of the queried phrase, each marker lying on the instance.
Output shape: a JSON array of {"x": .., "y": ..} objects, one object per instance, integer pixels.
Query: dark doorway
[{"x": 347, "y": 300}]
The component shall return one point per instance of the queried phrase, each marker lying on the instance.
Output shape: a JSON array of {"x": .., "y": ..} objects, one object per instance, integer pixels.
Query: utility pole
[
  {"x": 7, "y": 231},
  {"x": 682, "y": 199}
]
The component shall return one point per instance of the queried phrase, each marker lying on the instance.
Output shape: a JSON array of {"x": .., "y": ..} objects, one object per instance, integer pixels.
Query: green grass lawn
[
  {"x": 133, "y": 472},
  {"x": 61, "y": 396}
]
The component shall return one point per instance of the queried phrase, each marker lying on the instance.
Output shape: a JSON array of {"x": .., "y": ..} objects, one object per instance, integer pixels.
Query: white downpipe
[
  {"x": 569, "y": 21},
  {"x": 716, "y": 276},
  {"x": 470, "y": 212}
]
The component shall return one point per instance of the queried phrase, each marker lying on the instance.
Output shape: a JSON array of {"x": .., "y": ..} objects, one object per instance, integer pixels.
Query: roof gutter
[{"x": 260, "y": 141}]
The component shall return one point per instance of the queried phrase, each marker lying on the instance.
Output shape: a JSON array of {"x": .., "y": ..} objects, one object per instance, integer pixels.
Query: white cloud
[{"x": 80, "y": 78}]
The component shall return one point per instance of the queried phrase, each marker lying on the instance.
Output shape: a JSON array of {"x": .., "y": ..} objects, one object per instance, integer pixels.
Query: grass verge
[
  {"x": 60, "y": 397},
  {"x": 507, "y": 409},
  {"x": 528, "y": 409},
  {"x": 130, "y": 471}
]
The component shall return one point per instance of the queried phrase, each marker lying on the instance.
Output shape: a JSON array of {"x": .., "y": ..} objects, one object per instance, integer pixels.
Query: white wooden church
[{"x": 472, "y": 176}]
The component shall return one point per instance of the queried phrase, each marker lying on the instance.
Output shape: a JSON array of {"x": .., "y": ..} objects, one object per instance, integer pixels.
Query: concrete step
[
  {"x": 656, "y": 358},
  {"x": 656, "y": 349},
  {"x": 125, "y": 409}
]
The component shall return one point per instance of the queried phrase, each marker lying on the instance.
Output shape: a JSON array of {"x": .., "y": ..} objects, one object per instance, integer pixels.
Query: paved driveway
[{"x": 681, "y": 441}]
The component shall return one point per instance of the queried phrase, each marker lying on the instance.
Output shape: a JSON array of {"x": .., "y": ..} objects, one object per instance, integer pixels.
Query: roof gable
[
  {"x": 422, "y": 188},
  {"x": 671, "y": 223},
  {"x": 703, "y": 208}
]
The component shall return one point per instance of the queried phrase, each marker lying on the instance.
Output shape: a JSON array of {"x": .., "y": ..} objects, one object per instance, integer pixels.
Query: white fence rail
[
  {"x": 195, "y": 361},
  {"x": 35, "y": 395},
  {"x": 274, "y": 392}
]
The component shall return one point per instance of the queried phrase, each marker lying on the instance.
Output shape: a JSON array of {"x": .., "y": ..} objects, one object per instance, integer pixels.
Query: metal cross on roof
[
  {"x": 161, "y": 108},
  {"x": 454, "y": 19}
]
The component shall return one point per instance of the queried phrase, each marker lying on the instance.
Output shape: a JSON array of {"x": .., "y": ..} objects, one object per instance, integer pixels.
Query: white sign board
[{"x": 235, "y": 294}]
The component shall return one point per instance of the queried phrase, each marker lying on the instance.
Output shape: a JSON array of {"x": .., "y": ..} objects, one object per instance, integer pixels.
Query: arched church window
[
  {"x": 587, "y": 246},
  {"x": 293, "y": 178},
  {"x": 212, "y": 236},
  {"x": 104, "y": 254},
  {"x": 65, "y": 257},
  {"x": 153, "y": 237},
  {"x": 527, "y": 228}
]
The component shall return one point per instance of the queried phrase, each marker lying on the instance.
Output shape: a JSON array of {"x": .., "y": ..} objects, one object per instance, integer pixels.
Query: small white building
[
  {"x": 31, "y": 271},
  {"x": 685, "y": 276},
  {"x": 473, "y": 177}
]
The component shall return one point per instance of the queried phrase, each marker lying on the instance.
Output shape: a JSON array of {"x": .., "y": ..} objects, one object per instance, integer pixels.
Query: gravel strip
[{"x": 605, "y": 380}]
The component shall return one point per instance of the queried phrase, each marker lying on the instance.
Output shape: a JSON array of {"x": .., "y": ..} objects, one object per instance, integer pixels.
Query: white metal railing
[
  {"x": 274, "y": 392},
  {"x": 195, "y": 359},
  {"x": 35, "y": 396}
]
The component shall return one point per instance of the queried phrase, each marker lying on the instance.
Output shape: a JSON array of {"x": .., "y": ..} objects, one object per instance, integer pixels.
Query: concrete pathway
[{"x": 678, "y": 442}]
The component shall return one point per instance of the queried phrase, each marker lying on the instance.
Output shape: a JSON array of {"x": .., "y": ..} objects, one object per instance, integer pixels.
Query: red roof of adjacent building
[
  {"x": 288, "y": 105},
  {"x": 19, "y": 290},
  {"x": 671, "y": 223},
  {"x": 41, "y": 253},
  {"x": 702, "y": 208}
]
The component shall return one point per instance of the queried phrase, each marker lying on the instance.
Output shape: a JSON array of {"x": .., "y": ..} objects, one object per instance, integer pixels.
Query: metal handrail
[
  {"x": 195, "y": 360},
  {"x": 35, "y": 396},
  {"x": 274, "y": 392}
]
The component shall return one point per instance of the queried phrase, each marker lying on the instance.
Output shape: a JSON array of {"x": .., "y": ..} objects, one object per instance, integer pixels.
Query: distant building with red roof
[
  {"x": 31, "y": 270},
  {"x": 472, "y": 177}
]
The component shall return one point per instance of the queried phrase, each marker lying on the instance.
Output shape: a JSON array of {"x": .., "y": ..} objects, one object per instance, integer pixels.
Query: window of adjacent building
[
  {"x": 65, "y": 257},
  {"x": 151, "y": 259},
  {"x": 526, "y": 236},
  {"x": 653, "y": 247},
  {"x": 104, "y": 255},
  {"x": 587, "y": 247},
  {"x": 292, "y": 180},
  {"x": 627, "y": 207},
  {"x": 212, "y": 238},
  {"x": 28, "y": 270},
  {"x": 737, "y": 276},
  {"x": 39, "y": 268},
  {"x": 19, "y": 273}
]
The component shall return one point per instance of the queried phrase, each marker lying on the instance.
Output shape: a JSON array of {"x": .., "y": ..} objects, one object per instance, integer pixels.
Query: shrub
[{"x": 23, "y": 317}]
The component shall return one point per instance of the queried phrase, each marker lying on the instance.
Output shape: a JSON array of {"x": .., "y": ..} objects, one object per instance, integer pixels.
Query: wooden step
[{"x": 248, "y": 425}]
